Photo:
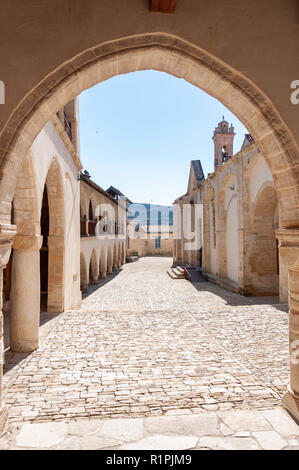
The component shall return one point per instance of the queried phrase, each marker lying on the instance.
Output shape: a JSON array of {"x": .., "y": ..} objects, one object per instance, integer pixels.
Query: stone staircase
[{"x": 176, "y": 273}]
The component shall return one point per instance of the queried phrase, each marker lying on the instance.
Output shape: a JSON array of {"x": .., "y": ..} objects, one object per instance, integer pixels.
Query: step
[
  {"x": 179, "y": 268},
  {"x": 171, "y": 274},
  {"x": 178, "y": 273},
  {"x": 175, "y": 274}
]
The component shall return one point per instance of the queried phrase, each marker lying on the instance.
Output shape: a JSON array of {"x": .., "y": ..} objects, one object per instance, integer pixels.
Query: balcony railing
[
  {"x": 83, "y": 227},
  {"x": 92, "y": 227},
  {"x": 89, "y": 228}
]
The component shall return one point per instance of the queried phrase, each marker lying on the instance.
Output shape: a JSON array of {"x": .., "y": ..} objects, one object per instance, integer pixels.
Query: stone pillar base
[
  {"x": 24, "y": 346},
  {"x": 109, "y": 271},
  {"x": 94, "y": 282},
  {"x": 290, "y": 402},
  {"x": 103, "y": 275},
  {"x": 3, "y": 419}
]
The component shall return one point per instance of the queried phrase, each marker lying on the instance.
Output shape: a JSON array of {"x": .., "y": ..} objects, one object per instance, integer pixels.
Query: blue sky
[{"x": 139, "y": 132}]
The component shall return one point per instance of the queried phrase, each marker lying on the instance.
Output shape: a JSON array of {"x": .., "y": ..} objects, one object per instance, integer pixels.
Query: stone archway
[
  {"x": 56, "y": 242},
  {"x": 263, "y": 260},
  {"x": 232, "y": 243},
  {"x": 209, "y": 231},
  {"x": 228, "y": 189},
  {"x": 175, "y": 56},
  {"x": 168, "y": 53}
]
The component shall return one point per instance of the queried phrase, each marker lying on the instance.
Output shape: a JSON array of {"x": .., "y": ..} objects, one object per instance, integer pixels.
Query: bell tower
[{"x": 223, "y": 143}]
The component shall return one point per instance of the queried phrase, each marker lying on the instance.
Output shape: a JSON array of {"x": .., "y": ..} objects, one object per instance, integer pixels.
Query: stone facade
[
  {"x": 103, "y": 233},
  {"x": 152, "y": 241},
  {"x": 241, "y": 217},
  {"x": 253, "y": 90},
  {"x": 188, "y": 221}
]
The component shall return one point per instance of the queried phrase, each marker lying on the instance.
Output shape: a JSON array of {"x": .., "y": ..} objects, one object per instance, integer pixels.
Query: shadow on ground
[
  {"x": 101, "y": 283},
  {"x": 234, "y": 299},
  {"x": 12, "y": 358}
]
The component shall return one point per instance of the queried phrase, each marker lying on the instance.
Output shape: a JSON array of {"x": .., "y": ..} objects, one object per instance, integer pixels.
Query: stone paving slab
[
  {"x": 231, "y": 430},
  {"x": 145, "y": 345}
]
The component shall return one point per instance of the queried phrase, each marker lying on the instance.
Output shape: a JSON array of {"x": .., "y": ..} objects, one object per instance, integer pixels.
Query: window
[{"x": 158, "y": 243}]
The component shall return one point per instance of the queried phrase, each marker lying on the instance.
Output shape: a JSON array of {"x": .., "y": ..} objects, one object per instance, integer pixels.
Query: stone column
[
  {"x": 288, "y": 256},
  {"x": 84, "y": 287},
  {"x": 115, "y": 264},
  {"x": 289, "y": 291},
  {"x": 123, "y": 260},
  {"x": 109, "y": 266},
  {"x": 94, "y": 279},
  {"x": 56, "y": 283},
  {"x": 6, "y": 234},
  {"x": 103, "y": 270},
  {"x": 25, "y": 293},
  {"x": 291, "y": 399}
]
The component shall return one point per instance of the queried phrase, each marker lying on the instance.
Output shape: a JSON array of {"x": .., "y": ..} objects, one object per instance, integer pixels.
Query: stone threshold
[{"x": 271, "y": 429}]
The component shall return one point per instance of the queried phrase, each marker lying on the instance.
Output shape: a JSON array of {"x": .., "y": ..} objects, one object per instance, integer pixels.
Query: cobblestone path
[{"x": 143, "y": 344}]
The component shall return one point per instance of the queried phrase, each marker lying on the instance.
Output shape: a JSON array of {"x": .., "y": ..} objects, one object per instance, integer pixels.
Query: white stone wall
[{"x": 48, "y": 146}]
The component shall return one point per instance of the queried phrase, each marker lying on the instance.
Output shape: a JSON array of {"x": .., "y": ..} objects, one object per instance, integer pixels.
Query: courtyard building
[
  {"x": 150, "y": 240},
  {"x": 240, "y": 221},
  {"x": 103, "y": 232},
  {"x": 250, "y": 221}
]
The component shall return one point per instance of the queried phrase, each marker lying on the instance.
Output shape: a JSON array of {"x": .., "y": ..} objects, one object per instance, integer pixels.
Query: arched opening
[
  {"x": 54, "y": 245},
  {"x": 209, "y": 232},
  {"x": 160, "y": 52},
  {"x": 229, "y": 86},
  {"x": 227, "y": 242},
  {"x": 232, "y": 242},
  {"x": 44, "y": 251},
  {"x": 91, "y": 220},
  {"x": 264, "y": 254},
  {"x": 83, "y": 212}
]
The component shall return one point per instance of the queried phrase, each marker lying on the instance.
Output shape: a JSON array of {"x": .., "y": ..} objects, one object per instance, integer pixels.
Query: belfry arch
[{"x": 173, "y": 55}]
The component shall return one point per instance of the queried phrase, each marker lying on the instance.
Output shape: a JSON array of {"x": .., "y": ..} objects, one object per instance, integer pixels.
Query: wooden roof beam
[{"x": 163, "y": 6}]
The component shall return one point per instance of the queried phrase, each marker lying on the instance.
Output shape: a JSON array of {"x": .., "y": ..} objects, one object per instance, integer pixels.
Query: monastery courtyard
[{"x": 186, "y": 361}]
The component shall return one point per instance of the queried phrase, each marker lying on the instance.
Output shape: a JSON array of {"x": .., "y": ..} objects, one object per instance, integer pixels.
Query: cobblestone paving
[{"x": 143, "y": 344}]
